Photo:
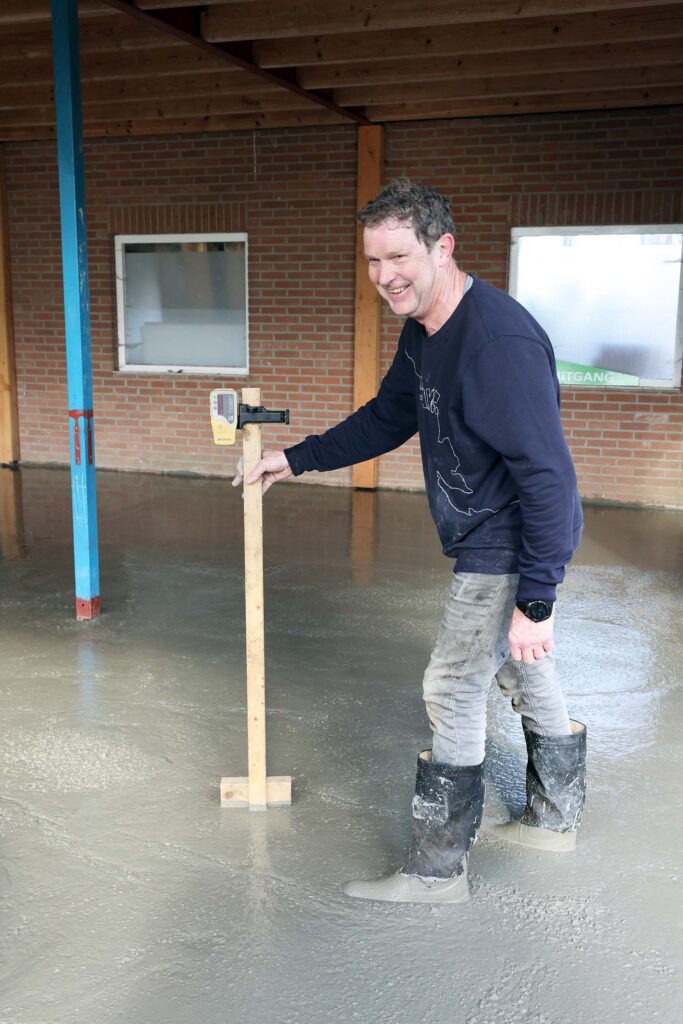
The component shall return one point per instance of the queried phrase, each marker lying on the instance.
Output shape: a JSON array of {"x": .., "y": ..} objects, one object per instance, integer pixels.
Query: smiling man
[{"x": 474, "y": 374}]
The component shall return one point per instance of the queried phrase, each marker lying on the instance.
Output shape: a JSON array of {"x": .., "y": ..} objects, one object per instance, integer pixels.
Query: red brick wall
[{"x": 293, "y": 191}]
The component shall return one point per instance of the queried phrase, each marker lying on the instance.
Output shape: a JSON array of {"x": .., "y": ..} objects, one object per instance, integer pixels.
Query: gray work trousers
[{"x": 471, "y": 649}]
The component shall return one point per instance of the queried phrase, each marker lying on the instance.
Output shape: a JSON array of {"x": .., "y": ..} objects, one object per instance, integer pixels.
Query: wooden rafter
[
  {"x": 184, "y": 66},
  {"x": 542, "y": 84},
  {"x": 432, "y": 41},
  {"x": 186, "y": 125},
  {"x": 549, "y": 103},
  {"x": 259, "y": 19},
  {"x": 107, "y": 66},
  {"x": 112, "y": 34},
  {"x": 184, "y": 24},
  {"x": 652, "y": 55},
  {"x": 149, "y": 88},
  {"x": 14, "y": 12}
]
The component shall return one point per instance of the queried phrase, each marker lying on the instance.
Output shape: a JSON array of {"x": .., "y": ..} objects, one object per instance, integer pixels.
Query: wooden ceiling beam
[
  {"x": 571, "y": 58},
  {"x": 434, "y": 41},
  {"x": 229, "y": 82},
  {"x": 263, "y": 19},
  {"x": 513, "y": 85},
  {"x": 225, "y": 83},
  {"x": 186, "y": 28},
  {"x": 180, "y": 126},
  {"x": 133, "y": 89},
  {"x": 611, "y": 100},
  {"x": 284, "y": 119},
  {"x": 175, "y": 60},
  {"x": 104, "y": 36},
  {"x": 173, "y": 108},
  {"x": 170, "y": 109},
  {"x": 155, "y": 5},
  {"x": 16, "y": 11}
]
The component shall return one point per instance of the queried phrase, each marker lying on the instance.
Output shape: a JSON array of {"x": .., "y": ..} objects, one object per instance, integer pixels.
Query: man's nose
[{"x": 386, "y": 274}]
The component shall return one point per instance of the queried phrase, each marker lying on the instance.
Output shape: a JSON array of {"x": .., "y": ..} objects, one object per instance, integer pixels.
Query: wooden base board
[{"x": 235, "y": 792}]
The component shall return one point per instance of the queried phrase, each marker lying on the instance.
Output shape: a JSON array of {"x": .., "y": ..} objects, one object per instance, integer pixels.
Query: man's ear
[{"x": 446, "y": 246}]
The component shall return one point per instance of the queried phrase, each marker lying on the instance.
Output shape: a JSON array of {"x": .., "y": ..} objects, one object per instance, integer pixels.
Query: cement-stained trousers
[{"x": 471, "y": 649}]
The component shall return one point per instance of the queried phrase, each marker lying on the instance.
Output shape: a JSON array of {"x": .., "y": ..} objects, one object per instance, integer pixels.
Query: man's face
[{"x": 403, "y": 269}]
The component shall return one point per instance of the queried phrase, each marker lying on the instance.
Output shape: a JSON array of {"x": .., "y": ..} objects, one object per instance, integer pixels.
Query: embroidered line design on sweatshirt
[{"x": 429, "y": 400}]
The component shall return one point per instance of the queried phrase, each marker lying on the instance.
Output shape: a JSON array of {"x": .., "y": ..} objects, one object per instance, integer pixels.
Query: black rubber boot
[
  {"x": 555, "y": 792},
  {"x": 447, "y": 810}
]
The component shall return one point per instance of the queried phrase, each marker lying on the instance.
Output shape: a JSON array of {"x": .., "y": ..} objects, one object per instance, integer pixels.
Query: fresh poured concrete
[{"x": 130, "y": 897}]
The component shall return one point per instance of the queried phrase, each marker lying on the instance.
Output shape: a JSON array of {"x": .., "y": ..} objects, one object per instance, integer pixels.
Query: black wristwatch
[{"x": 537, "y": 611}]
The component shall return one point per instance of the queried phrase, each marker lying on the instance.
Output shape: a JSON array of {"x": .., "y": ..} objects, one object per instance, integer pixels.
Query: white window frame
[
  {"x": 612, "y": 229},
  {"x": 120, "y": 241}
]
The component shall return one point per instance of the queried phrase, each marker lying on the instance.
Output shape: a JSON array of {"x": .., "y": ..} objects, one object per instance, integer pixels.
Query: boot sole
[
  {"x": 400, "y": 888},
  {"x": 534, "y": 838}
]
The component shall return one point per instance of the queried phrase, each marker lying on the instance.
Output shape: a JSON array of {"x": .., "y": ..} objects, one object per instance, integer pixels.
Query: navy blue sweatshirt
[{"x": 483, "y": 394}]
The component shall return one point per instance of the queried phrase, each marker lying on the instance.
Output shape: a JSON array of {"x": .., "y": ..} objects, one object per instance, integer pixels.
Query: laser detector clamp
[{"x": 228, "y": 415}]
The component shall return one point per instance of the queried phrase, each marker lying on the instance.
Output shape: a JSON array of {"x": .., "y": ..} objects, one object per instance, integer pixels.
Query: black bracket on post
[{"x": 259, "y": 414}]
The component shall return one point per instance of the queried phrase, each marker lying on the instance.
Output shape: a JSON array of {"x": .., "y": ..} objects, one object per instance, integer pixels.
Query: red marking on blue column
[
  {"x": 75, "y": 415},
  {"x": 87, "y": 608}
]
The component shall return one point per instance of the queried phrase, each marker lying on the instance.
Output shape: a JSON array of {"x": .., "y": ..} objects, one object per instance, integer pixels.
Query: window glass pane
[
  {"x": 185, "y": 304},
  {"x": 608, "y": 301}
]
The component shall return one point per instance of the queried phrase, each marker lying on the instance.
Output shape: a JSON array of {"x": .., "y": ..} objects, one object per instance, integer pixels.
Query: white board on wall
[{"x": 610, "y": 298}]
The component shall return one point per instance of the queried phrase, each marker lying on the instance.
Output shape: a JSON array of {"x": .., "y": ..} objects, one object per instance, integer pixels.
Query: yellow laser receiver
[{"x": 224, "y": 415}]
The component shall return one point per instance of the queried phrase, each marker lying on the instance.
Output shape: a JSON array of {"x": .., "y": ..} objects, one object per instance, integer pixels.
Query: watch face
[{"x": 538, "y": 611}]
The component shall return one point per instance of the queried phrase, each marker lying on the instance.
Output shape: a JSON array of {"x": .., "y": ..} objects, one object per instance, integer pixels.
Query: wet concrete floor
[{"x": 129, "y": 896}]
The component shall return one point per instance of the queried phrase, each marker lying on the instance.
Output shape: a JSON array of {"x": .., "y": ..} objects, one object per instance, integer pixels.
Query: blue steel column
[{"x": 76, "y": 304}]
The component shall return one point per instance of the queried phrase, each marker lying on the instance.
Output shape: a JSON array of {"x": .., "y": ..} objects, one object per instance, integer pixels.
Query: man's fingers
[
  {"x": 259, "y": 470},
  {"x": 528, "y": 655},
  {"x": 271, "y": 468}
]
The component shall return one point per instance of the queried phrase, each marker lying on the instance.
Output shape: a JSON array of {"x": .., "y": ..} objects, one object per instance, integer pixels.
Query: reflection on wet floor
[
  {"x": 145, "y": 506},
  {"x": 11, "y": 514},
  {"x": 363, "y": 533},
  {"x": 130, "y": 896}
]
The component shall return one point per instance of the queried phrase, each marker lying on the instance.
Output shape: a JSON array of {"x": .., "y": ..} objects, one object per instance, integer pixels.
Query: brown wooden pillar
[
  {"x": 367, "y": 336},
  {"x": 9, "y": 420}
]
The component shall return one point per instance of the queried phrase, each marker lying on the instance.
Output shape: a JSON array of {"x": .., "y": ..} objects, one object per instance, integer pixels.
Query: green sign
[{"x": 594, "y": 376}]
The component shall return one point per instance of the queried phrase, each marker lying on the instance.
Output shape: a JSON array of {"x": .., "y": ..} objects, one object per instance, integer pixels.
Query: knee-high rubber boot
[
  {"x": 555, "y": 792},
  {"x": 447, "y": 810}
]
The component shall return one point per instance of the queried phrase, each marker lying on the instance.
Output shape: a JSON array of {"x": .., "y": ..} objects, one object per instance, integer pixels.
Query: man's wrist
[
  {"x": 537, "y": 609},
  {"x": 295, "y": 458}
]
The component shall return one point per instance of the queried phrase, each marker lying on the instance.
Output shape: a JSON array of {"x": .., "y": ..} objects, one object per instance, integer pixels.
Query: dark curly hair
[{"x": 417, "y": 206}]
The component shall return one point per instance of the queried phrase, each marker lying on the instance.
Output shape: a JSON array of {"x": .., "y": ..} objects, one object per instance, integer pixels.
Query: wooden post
[
  {"x": 367, "y": 334},
  {"x": 254, "y": 614},
  {"x": 257, "y": 791},
  {"x": 9, "y": 420}
]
